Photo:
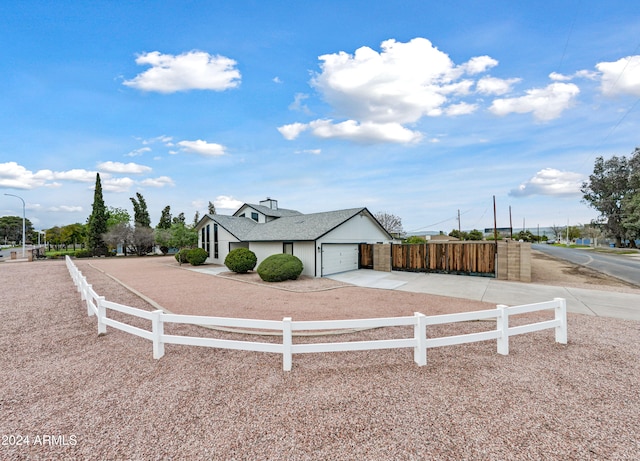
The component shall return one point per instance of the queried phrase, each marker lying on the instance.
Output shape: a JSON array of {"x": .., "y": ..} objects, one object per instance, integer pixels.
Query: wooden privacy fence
[
  {"x": 471, "y": 258},
  {"x": 419, "y": 341}
]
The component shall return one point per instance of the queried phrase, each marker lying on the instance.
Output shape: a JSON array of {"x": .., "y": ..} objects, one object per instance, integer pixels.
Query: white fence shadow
[{"x": 420, "y": 342}]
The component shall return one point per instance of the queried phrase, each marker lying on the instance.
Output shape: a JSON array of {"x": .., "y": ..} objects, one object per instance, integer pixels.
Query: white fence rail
[{"x": 420, "y": 342}]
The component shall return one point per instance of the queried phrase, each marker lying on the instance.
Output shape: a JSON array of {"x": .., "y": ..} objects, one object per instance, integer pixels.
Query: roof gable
[{"x": 265, "y": 210}]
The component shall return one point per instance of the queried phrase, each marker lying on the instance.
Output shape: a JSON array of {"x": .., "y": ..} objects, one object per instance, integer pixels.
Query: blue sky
[{"x": 414, "y": 108}]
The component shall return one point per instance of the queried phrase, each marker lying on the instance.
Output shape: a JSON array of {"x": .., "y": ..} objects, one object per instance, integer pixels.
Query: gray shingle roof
[
  {"x": 300, "y": 227},
  {"x": 238, "y": 227},
  {"x": 278, "y": 213}
]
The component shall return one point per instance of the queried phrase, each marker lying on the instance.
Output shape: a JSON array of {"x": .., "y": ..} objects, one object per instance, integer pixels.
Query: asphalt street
[{"x": 622, "y": 266}]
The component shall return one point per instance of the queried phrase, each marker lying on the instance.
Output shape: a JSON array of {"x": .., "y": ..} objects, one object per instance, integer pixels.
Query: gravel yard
[{"x": 76, "y": 395}]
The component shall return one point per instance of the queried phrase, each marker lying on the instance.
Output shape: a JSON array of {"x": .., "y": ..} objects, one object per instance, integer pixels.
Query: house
[{"x": 326, "y": 243}]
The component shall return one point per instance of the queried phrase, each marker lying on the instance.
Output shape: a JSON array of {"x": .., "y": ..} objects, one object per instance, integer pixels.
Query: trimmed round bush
[
  {"x": 280, "y": 267},
  {"x": 197, "y": 256},
  {"x": 83, "y": 254},
  {"x": 181, "y": 256},
  {"x": 241, "y": 260}
]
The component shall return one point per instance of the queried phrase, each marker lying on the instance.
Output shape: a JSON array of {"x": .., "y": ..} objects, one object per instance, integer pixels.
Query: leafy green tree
[
  {"x": 53, "y": 237},
  {"x": 196, "y": 218},
  {"x": 413, "y": 239},
  {"x": 142, "y": 238},
  {"x": 117, "y": 216},
  {"x": 162, "y": 233},
  {"x": 475, "y": 234},
  {"x": 97, "y": 222},
  {"x": 612, "y": 184},
  {"x": 631, "y": 219},
  {"x": 182, "y": 236},
  {"x": 179, "y": 219},
  {"x": 11, "y": 229},
  {"x": 73, "y": 234},
  {"x": 462, "y": 235},
  {"x": 140, "y": 212},
  {"x": 165, "y": 219},
  {"x": 211, "y": 208}
]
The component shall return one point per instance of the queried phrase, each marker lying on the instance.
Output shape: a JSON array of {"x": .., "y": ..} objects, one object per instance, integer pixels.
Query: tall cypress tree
[
  {"x": 97, "y": 222},
  {"x": 140, "y": 212}
]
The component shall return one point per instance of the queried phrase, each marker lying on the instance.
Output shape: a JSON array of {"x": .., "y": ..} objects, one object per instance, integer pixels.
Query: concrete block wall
[
  {"x": 514, "y": 261},
  {"x": 382, "y": 257}
]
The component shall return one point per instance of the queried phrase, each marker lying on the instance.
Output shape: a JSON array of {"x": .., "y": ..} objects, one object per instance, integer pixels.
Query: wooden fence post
[
  {"x": 286, "y": 344},
  {"x": 503, "y": 328},
  {"x": 420, "y": 335},
  {"x": 157, "y": 328},
  {"x": 102, "y": 313},
  {"x": 561, "y": 315}
]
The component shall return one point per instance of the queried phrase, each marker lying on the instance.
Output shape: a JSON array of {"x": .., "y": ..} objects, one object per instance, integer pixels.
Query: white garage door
[{"x": 339, "y": 258}]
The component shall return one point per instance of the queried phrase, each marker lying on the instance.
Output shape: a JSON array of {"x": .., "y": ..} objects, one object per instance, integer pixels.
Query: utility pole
[{"x": 459, "y": 230}]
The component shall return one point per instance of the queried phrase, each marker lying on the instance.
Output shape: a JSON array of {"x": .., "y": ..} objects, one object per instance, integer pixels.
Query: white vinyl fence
[{"x": 420, "y": 342}]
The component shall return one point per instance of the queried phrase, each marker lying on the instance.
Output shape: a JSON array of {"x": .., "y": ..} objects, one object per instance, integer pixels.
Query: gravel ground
[{"x": 77, "y": 395}]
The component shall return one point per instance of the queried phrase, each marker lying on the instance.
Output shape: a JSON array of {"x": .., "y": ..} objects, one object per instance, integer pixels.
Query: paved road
[{"x": 624, "y": 267}]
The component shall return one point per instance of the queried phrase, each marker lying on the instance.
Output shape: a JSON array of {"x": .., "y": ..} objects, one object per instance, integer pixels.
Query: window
[
  {"x": 215, "y": 241},
  {"x": 205, "y": 239},
  {"x": 287, "y": 247},
  {"x": 254, "y": 216}
]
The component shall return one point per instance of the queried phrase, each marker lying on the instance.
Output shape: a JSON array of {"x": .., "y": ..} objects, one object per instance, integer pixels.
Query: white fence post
[
  {"x": 420, "y": 336},
  {"x": 287, "y": 341},
  {"x": 102, "y": 313},
  {"x": 88, "y": 300},
  {"x": 561, "y": 315},
  {"x": 157, "y": 327},
  {"x": 503, "y": 328}
]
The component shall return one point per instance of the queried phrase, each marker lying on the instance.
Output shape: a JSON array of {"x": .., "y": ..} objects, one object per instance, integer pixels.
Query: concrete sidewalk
[{"x": 579, "y": 300}]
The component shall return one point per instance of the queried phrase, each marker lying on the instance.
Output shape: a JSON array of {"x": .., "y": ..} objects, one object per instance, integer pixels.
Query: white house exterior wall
[
  {"x": 361, "y": 226},
  {"x": 224, "y": 241},
  {"x": 306, "y": 252},
  {"x": 265, "y": 249}
]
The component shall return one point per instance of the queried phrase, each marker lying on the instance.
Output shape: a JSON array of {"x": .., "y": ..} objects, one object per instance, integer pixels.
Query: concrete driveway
[{"x": 579, "y": 300}]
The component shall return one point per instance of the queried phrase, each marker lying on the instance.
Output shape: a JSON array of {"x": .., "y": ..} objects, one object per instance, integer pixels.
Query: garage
[{"x": 339, "y": 257}]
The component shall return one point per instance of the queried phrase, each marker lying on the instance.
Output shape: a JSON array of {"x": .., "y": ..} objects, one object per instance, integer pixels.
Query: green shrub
[
  {"x": 241, "y": 260},
  {"x": 197, "y": 256},
  {"x": 83, "y": 254},
  {"x": 279, "y": 267},
  {"x": 181, "y": 256}
]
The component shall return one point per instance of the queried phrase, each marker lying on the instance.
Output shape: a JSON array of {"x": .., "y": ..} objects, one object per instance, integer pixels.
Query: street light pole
[{"x": 24, "y": 233}]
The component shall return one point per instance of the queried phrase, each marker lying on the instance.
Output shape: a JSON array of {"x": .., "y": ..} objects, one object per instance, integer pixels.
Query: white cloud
[
  {"x": 545, "y": 103},
  {"x": 497, "y": 86},
  {"x": 276, "y": 79},
  {"x": 621, "y": 76},
  {"x": 557, "y": 77},
  {"x": 227, "y": 203},
  {"x": 550, "y": 181},
  {"x": 201, "y": 147},
  {"x": 194, "y": 70},
  {"x": 117, "y": 184},
  {"x": 298, "y": 105},
  {"x": 65, "y": 209},
  {"x": 479, "y": 64},
  {"x": 462, "y": 108},
  {"x": 378, "y": 93},
  {"x": 161, "y": 181},
  {"x": 366, "y": 132},
  {"x": 118, "y": 167},
  {"x": 138, "y": 152},
  {"x": 400, "y": 84},
  {"x": 309, "y": 151},
  {"x": 293, "y": 130},
  {"x": 13, "y": 175}
]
